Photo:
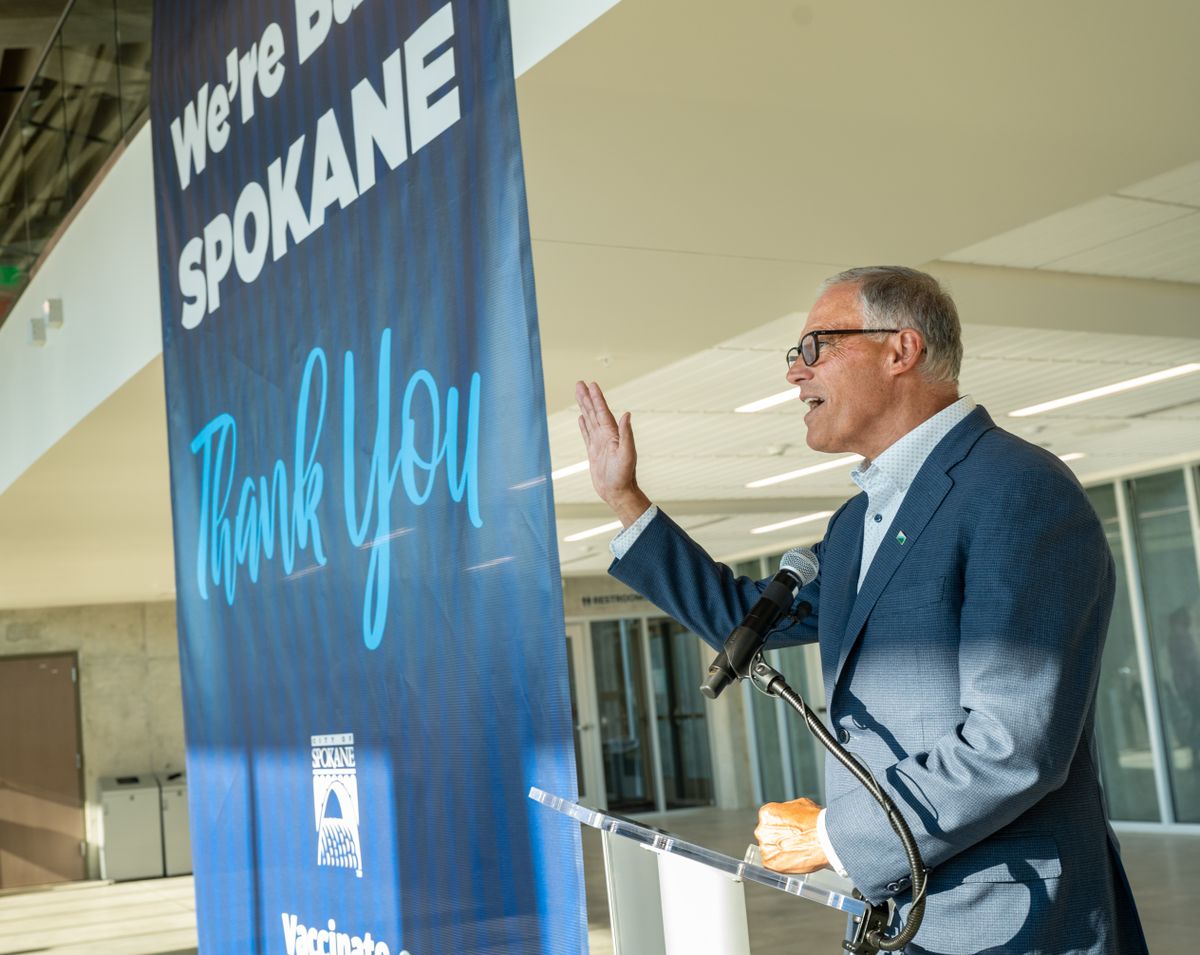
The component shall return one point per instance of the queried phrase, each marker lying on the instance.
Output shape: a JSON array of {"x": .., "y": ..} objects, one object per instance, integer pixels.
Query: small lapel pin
[{"x": 901, "y": 537}]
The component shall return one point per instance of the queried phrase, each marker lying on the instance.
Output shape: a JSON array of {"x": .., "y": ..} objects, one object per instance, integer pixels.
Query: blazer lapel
[
  {"x": 922, "y": 500},
  {"x": 839, "y": 581}
]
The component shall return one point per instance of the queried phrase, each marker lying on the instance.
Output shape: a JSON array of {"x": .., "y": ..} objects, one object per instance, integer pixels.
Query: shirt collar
[{"x": 898, "y": 464}]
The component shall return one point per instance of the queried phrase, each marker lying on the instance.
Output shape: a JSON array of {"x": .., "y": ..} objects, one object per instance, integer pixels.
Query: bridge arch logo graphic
[{"x": 335, "y": 802}]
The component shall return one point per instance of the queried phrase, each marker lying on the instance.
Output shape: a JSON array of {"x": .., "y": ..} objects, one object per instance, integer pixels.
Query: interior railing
[{"x": 88, "y": 96}]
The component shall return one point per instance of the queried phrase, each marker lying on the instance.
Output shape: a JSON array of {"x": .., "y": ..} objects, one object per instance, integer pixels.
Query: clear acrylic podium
[{"x": 680, "y": 898}]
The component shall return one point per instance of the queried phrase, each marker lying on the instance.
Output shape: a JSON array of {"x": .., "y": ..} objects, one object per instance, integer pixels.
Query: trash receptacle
[
  {"x": 177, "y": 839},
  {"x": 133, "y": 847}
]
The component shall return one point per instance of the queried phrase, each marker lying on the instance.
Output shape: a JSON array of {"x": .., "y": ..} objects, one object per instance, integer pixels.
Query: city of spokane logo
[{"x": 335, "y": 802}]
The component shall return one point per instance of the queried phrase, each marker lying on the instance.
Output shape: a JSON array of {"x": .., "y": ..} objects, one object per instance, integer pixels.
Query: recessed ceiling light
[
  {"x": 804, "y": 472},
  {"x": 568, "y": 470},
  {"x": 1107, "y": 390},
  {"x": 771, "y": 402},
  {"x": 592, "y": 532},
  {"x": 1073, "y": 456},
  {"x": 819, "y": 515}
]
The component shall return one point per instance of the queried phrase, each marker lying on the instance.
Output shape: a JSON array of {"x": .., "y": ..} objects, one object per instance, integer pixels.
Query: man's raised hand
[{"x": 612, "y": 456}]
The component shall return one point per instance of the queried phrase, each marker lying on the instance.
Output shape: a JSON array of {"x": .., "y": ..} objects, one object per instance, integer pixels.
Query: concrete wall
[{"x": 131, "y": 705}]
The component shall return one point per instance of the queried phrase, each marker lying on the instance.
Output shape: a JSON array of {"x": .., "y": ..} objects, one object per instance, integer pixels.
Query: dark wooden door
[{"x": 41, "y": 784}]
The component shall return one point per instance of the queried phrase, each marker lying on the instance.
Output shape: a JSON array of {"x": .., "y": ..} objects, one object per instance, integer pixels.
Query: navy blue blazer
[{"x": 964, "y": 674}]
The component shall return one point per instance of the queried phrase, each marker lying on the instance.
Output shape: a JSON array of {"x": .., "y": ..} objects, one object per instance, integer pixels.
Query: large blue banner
[{"x": 370, "y": 612}]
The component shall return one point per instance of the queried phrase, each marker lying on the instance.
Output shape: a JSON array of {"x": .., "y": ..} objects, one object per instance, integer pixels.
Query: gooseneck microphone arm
[
  {"x": 870, "y": 937},
  {"x": 742, "y": 657}
]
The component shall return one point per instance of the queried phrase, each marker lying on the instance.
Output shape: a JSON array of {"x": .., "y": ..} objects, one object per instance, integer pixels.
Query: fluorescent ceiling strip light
[
  {"x": 568, "y": 470},
  {"x": 819, "y": 515},
  {"x": 763, "y": 403},
  {"x": 1107, "y": 390},
  {"x": 804, "y": 472},
  {"x": 1073, "y": 456},
  {"x": 592, "y": 532}
]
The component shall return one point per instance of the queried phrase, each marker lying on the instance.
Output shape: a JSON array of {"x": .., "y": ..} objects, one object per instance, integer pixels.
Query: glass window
[
  {"x": 807, "y": 754},
  {"x": 91, "y": 90},
  {"x": 43, "y": 164},
  {"x": 1171, "y": 588},
  {"x": 86, "y": 66},
  {"x": 1126, "y": 760},
  {"x": 769, "y": 749},
  {"x": 790, "y": 762},
  {"x": 134, "y": 18}
]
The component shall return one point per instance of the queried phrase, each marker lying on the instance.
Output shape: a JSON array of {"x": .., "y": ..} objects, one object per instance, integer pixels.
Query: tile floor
[
  {"x": 157, "y": 917},
  {"x": 1163, "y": 870}
]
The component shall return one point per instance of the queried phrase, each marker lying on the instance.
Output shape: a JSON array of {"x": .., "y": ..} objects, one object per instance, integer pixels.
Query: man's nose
[{"x": 798, "y": 372}]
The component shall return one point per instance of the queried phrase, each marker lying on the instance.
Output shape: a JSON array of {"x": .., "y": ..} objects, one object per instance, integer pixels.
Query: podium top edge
[{"x": 660, "y": 840}]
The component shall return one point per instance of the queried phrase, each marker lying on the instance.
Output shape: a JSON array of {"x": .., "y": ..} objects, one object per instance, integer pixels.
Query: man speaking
[{"x": 961, "y": 608}]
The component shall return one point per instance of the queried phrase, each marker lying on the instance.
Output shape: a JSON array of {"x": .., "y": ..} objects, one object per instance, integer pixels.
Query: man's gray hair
[{"x": 894, "y": 296}]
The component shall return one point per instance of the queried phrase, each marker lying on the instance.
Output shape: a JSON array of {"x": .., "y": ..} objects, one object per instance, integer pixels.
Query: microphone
[{"x": 797, "y": 568}]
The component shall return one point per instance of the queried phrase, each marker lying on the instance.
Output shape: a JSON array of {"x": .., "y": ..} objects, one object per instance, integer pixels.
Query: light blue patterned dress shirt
[{"x": 888, "y": 478}]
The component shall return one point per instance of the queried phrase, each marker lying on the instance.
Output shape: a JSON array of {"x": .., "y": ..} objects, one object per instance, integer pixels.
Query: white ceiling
[
  {"x": 693, "y": 447},
  {"x": 699, "y": 166},
  {"x": 694, "y": 169},
  {"x": 1149, "y": 230}
]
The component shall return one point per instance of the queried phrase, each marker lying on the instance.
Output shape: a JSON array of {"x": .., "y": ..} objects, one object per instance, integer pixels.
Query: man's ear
[{"x": 907, "y": 350}]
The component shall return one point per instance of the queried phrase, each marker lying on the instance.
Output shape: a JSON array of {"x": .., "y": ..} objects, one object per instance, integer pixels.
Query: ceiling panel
[
  {"x": 776, "y": 336},
  {"x": 1169, "y": 251},
  {"x": 1148, "y": 230},
  {"x": 693, "y": 447},
  {"x": 1180, "y": 185},
  {"x": 989, "y": 341},
  {"x": 1070, "y": 232},
  {"x": 1009, "y": 386}
]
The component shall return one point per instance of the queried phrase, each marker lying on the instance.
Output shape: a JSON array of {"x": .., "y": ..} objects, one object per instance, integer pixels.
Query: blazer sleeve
[
  {"x": 1037, "y": 592},
  {"x": 677, "y": 575}
]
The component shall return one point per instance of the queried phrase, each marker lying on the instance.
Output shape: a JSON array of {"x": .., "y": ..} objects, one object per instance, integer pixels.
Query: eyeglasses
[{"x": 810, "y": 345}]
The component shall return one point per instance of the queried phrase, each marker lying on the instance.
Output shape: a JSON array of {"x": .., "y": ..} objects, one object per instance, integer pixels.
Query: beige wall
[
  {"x": 130, "y": 700},
  {"x": 601, "y": 596}
]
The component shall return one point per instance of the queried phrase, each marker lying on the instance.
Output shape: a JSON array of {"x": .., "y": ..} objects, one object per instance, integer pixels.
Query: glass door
[
  {"x": 620, "y": 681},
  {"x": 681, "y": 719},
  {"x": 589, "y": 767}
]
